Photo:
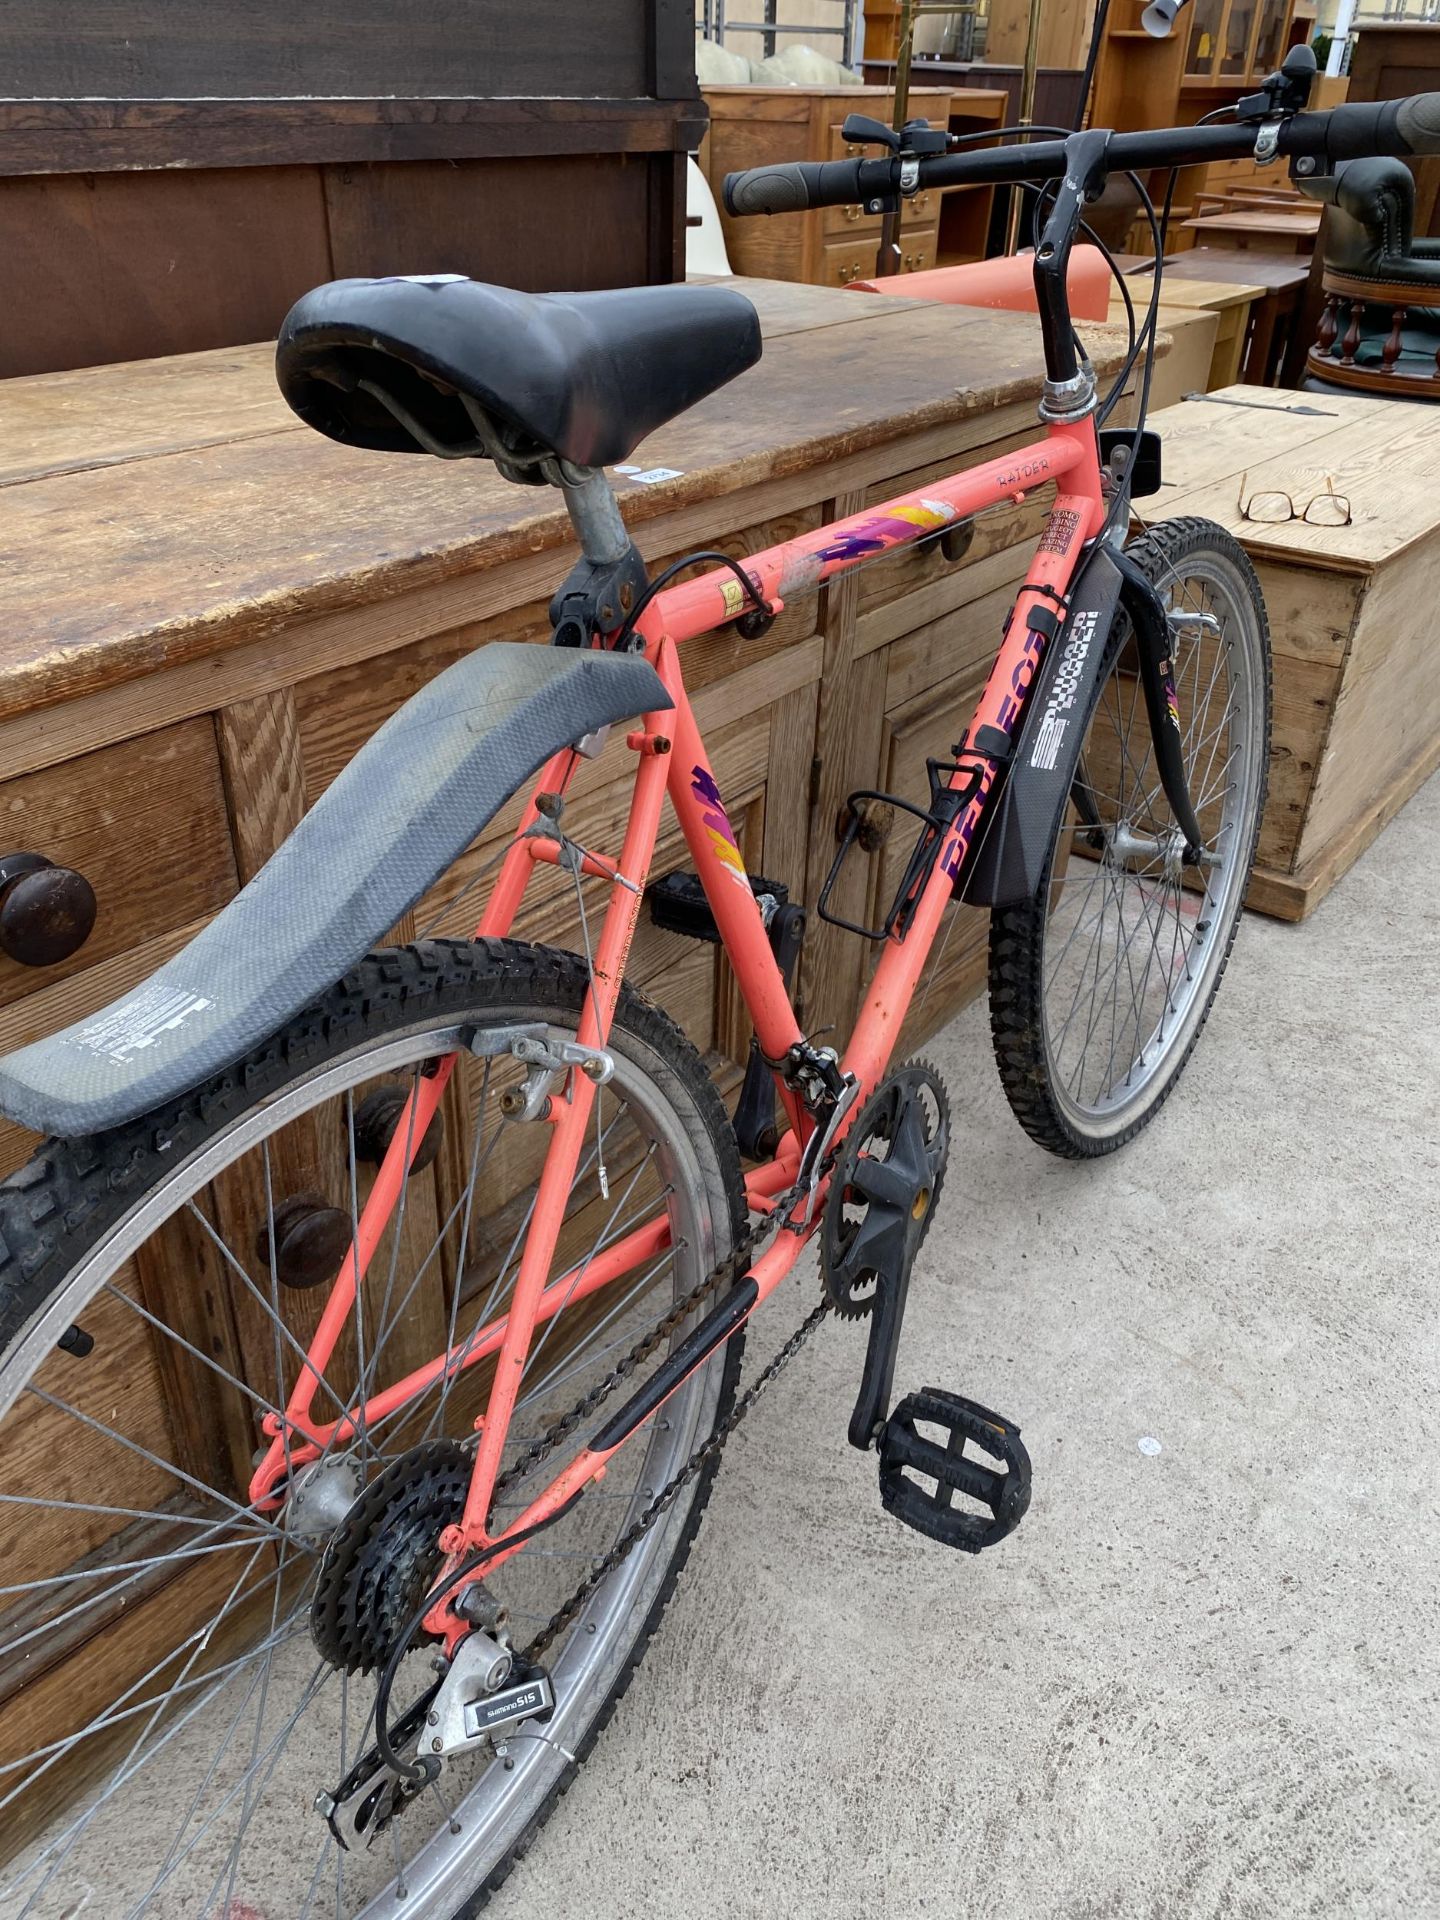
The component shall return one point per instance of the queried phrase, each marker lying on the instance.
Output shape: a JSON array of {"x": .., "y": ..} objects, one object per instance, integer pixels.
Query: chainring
[
  {"x": 885, "y": 1187},
  {"x": 383, "y": 1558}
]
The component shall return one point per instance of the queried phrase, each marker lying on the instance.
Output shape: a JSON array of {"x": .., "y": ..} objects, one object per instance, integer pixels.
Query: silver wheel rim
[
  {"x": 1130, "y": 954},
  {"x": 446, "y": 1856}
]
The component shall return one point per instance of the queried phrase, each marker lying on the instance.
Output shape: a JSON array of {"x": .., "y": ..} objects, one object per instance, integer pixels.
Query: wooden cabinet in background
[
  {"x": 1392, "y": 59},
  {"x": 759, "y": 126},
  {"x": 174, "y": 176},
  {"x": 1217, "y": 51}
]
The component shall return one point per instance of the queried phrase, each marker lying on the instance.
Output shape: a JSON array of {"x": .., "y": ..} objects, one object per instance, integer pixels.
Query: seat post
[
  {"x": 609, "y": 578},
  {"x": 595, "y": 515}
]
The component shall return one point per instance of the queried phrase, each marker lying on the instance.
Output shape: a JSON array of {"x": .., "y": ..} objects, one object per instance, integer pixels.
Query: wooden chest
[{"x": 1352, "y": 611}]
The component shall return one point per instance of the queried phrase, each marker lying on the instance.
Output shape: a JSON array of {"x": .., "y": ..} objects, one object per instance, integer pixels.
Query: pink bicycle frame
[{"x": 671, "y": 758}]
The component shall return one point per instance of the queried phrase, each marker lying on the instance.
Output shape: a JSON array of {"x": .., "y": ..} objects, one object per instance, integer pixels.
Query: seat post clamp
[{"x": 595, "y": 599}]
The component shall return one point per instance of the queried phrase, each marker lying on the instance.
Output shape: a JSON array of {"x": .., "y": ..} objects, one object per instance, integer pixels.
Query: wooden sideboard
[
  {"x": 756, "y": 126},
  {"x": 1057, "y": 89}
]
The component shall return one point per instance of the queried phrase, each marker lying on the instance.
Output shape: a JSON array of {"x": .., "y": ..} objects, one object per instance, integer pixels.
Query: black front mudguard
[{"x": 1025, "y": 815}]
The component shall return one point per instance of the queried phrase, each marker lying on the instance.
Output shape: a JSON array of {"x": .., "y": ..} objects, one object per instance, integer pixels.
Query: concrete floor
[{"x": 1199, "y": 1681}]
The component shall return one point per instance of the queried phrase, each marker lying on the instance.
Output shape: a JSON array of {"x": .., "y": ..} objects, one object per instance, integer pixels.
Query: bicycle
[{"x": 397, "y": 1610}]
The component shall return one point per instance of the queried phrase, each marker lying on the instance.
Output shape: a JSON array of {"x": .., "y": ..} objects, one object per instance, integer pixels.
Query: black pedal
[
  {"x": 756, "y": 1127},
  {"x": 678, "y": 903},
  {"x": 906, "y": 1451}
]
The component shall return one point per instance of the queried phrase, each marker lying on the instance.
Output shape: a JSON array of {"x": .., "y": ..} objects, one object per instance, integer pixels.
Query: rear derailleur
[
  {"x": 378, "y": 1566},
  {"x": 482, "y": 1698},
  {"x": 883, "y": 1194}
]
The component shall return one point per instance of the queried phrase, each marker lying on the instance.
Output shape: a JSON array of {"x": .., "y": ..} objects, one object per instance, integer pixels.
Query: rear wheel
[
  {"x": 172, "y": 1699},
  {"x": 1101, "y": 983}
]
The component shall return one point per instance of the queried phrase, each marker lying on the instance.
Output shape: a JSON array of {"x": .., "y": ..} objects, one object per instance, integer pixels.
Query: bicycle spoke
[{"x": 235, "y": 1266}]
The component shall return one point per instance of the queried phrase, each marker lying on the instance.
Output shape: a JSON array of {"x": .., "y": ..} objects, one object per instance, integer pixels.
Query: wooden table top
[
  {"x": 1211, "y": 295},
  {"x": 1382, "y": 455},
  {"x": 1173, "y": 314},
  {"x": 1301, "y": 223},
  {"x": 1270, "y": 272},
  {"x": 161, "y": 511}
]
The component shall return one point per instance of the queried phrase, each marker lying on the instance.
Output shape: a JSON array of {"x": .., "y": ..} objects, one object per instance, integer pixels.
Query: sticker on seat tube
[{"x": 717, "y": 825}]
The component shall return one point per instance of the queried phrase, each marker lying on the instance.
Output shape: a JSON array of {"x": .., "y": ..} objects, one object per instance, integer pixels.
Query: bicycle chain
[
  {"x": 561, "y": 1429},
  {"x": 708, "y": 1448},
  {"x": 729, "y": 1269}
]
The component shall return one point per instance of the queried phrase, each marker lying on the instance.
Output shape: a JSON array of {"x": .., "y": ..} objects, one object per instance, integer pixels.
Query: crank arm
[{"x": 872, "y": 1403}]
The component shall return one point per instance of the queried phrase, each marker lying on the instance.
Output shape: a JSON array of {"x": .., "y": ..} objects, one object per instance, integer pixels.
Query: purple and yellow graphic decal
[
  {"x": 890, "y": 529},
  {"x": 1171, "y": 703},
  {"x": 717, "y": 825}
]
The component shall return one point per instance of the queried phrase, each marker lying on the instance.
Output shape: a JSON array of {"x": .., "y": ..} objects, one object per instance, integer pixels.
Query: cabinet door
[
  {"x": 1203, "y": 45},
  {"x": 1237, "y": 38},
  {"x": 1270, "y": 40}
]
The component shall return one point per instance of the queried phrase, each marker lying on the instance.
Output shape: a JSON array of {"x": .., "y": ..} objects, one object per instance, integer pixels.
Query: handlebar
[{"x": 1350, "y": 132}]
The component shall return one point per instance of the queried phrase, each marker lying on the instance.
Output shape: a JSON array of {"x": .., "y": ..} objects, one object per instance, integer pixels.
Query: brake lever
[{"x": 917, "y": 139}]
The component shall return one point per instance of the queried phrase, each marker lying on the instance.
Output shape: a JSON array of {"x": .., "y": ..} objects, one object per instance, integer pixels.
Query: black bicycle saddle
[{"x": 585, "y": 376}]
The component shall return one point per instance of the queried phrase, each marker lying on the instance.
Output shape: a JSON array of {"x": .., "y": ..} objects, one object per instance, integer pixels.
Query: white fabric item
[
  {"x": 802, "y": 66},
  {"x": 705, "y": 244},
  {"x": 716, "y": 67}
]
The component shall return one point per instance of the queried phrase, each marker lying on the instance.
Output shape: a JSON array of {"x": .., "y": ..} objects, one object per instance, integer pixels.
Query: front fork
[{"x": 1151, "y": 627}]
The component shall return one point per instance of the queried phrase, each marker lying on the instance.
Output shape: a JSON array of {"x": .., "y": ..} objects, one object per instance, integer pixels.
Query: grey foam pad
[{"x": 410, "y": 801}]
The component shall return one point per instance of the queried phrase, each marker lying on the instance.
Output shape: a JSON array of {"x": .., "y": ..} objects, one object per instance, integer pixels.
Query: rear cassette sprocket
[{"x": 383, "y": 1558}]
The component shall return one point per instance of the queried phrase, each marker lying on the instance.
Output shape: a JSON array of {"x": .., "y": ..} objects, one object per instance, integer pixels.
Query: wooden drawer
[
  {"x": 145, "y": 821},
  {"x": 922, "y": 211},
  {"x": 852, "y": 221},
  {"x": 853, "y": 258}
]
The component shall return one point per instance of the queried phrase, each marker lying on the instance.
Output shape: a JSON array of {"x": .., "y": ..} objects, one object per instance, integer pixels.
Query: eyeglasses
[{"x": 1325, "y": 509}]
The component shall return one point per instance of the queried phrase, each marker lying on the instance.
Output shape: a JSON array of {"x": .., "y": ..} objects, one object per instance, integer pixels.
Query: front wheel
[{"x": 1101, "y": 982}]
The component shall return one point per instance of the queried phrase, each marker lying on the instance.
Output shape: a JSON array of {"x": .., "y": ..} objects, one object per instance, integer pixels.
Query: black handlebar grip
[
  {"x": 1418, "y": 121},
  {"x": 793, "y": 187},
  {"x": 1362, "y": 128}
]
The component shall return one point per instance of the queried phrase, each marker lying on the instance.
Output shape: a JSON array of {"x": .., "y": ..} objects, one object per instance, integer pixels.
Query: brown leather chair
[{"x": 1380, "y": 319}]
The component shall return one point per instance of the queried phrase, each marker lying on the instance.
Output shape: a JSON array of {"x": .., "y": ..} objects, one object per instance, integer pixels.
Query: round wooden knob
[
  {"x": 376, "y": 1119},
  {"x": 46, "y": 912},
  {"x": 311, "y": 1239},
  {"x": 876, "y": 821}
]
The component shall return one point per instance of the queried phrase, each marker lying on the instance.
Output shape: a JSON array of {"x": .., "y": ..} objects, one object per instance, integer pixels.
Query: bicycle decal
[
  {"x": 717, "y": 825},
  {"x": 1055, "y": 718},
  {"x": 896, "y": 525},
  {"x": 1060, "y": 530}
]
